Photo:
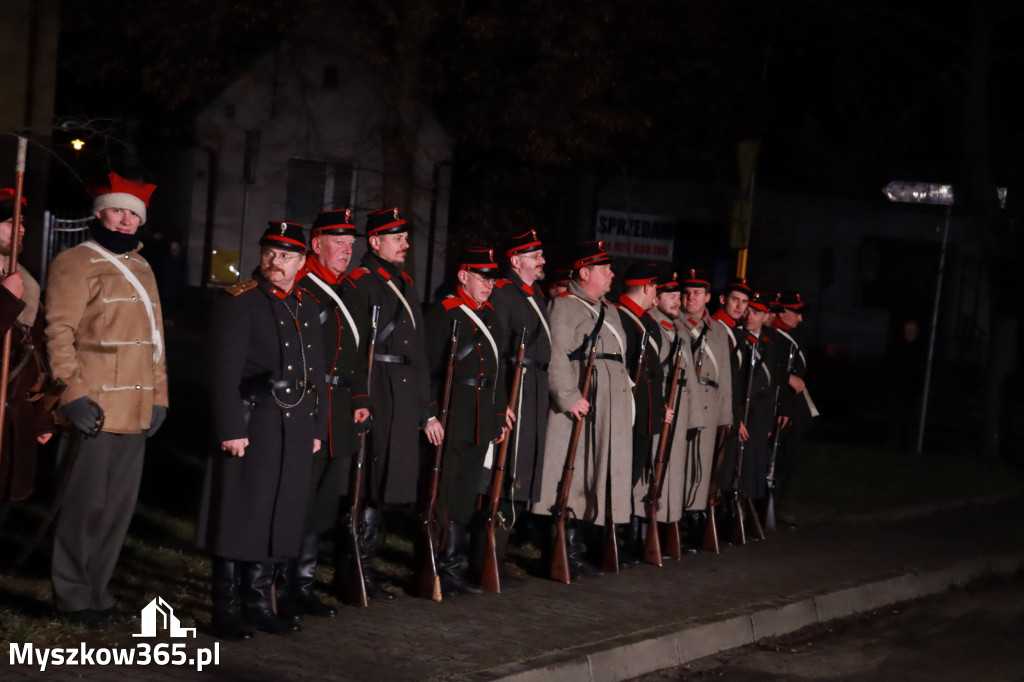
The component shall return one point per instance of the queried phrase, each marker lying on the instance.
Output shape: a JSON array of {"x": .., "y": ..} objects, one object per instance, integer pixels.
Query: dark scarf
[{"x": 115, "y": 242}]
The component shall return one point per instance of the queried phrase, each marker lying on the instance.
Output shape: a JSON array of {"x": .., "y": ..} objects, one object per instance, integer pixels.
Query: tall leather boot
[
  {"x": 295, "y": 597},
  {"x": 579, "y": 567},
  {"x": 693, "y": 530},
  {"x": 257, "y": 579},
  {"x": 373, "y": 536},
  {"x": 226, "y": 621},
  {"x": 449, "y": 565},
  {"x": 632, "y": 546}
]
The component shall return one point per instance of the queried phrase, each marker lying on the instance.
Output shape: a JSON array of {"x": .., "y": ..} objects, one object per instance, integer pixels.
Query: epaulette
[
  {"x": 502, "y": 282},
  {"x": 357, "y": 273},
  {"x": 451, "y": 303},
  {"x": 239, "y": 288},
  {"x": 564, "y": 294},
  {"x": 667, "y": 325},
  {"x": 692, "y": 321},
  {"x": 383, "y": 273}
]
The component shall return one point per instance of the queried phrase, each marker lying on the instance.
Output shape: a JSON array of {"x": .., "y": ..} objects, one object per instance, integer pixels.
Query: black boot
[
  {"x": 579, "y": 567},
  {"x": 227, "y": 621},
  {"x": 449, "y": 565},
  {"x": 632, "y": 547},
  {"x": 295, "y": 597},
  {"x": 372, "y": 527},
  {"x": 257, "y": 579},
  {"x": 693, "y": 531}
]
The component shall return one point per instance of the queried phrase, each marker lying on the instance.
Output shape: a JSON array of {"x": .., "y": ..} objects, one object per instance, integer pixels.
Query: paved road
[{"x": 975, "y": 633}]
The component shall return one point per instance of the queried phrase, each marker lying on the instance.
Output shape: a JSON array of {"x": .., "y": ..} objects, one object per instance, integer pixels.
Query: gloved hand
[
  {"x": 85, "y": 415},
  {"x": 159, "y": 415}
]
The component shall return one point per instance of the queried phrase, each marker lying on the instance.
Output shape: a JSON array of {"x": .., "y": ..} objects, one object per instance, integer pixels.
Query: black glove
[
  {"x": 85, "y": 415},
  {"x": 159, "y": 415}
]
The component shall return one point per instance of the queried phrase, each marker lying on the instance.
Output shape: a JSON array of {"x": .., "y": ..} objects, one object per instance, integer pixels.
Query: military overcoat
[
  {"x": 521, "y": 306},
  {"x": 267, "y": 385},
  {"x": 603, "y": 465}
]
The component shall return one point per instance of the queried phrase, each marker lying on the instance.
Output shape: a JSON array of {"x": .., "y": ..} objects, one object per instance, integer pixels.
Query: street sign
[{"x": 927, "y": 193}]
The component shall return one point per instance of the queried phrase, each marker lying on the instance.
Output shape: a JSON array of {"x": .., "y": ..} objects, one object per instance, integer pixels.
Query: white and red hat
[{"x": 126, "y": 194}]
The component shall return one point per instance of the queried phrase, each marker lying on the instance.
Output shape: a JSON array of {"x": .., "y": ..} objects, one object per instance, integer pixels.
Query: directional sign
[{"x": 927, "y": 193}]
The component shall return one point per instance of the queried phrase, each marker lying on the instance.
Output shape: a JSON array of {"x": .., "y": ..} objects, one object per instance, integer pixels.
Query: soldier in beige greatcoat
[
  {"x": 104, "y": 336},
  {"x": 603, "y": 466}
]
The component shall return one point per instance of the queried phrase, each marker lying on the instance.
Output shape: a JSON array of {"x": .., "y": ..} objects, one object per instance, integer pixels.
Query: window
[{"x": 315, "y": 186}]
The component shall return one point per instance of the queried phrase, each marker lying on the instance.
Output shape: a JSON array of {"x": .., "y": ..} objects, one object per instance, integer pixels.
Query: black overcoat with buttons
[
  {"x": 398, "y": 391},
  {"x": 254, "y": 507}
]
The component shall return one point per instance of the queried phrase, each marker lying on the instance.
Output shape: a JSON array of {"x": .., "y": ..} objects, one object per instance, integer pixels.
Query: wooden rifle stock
[
  {"x": 12, "y": 262},
  {"x": 355, "y": 585},
  {"x": 710, "y": 543},
  {"x": 560, "y": 553},
  {"x": 770, "y": 523},
  {"x": 427, "y": 583},
  {"x": 652, "y": 546},
  {"x": 489, "y": 575}
]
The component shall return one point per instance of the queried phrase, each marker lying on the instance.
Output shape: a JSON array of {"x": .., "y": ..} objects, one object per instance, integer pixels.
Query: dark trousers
[
  {"x": 94, "y": 516},
  {"x": 462, "y": 479}
]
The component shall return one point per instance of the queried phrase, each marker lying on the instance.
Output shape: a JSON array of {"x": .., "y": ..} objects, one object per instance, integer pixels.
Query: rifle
[
  {"x": 743, "y": 505},
  {"x": 427, "y": 583},
  {"x": 640, "y": 361},
  {"x": 773, "y": 451},
  {"x": 355, "y": 588},
  {"x": 710, "y": 543},
  {"x": 489, "y": 578},
  {"x": 560, "y": 554},
  {"x": 652, "y": 547},
  {"x": 12, "y": 261}
]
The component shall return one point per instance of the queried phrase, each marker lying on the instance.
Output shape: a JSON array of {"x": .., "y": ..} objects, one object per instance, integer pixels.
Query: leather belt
[
  {"x": 262, "y": 384},
  {"x": 482, "y": 382},
  {"x": 335, "y": 380},
  {"x": 616, "y": 357},
  {"x": 528, "y": 363},
  {"x": 391, "y": 359}
]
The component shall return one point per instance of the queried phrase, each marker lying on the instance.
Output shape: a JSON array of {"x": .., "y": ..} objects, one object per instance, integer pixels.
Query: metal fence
[{"x": 59, "y": 234}]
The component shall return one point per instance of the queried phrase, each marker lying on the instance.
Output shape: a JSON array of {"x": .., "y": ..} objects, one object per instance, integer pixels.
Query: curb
[{"x": 639, "y": 653}]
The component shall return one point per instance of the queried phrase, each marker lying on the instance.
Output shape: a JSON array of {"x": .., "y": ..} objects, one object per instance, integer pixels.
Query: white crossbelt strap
[
  {"x": 707, "y": 350},
  {"x": 341, "y": 306},
  {"x": 807, "y": 396},
  {"x": 547, "y": 329},
  {"x": 622, "y": 346},
  {"x": 650, "y": 339},
  {"x": 158, "y": 344},
  {"x": 483, "y": 327},
  {"x": 404, "y": 302}
]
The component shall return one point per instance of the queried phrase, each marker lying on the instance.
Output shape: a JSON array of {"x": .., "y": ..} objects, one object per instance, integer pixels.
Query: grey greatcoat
[
  {"x": 254, "y": 507},
  {"x": 604, "y": 457},
  {"x": 512, "y": 301},
  {"x": 710, "y": 403},
  {"x": 673, "y": 481}
]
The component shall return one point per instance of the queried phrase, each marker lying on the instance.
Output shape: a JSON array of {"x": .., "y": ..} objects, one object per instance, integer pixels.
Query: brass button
[
  {"x": 289, "y": 367},
  {"x": 287, "y": 414},
  {"x": 137, "y": 387}
]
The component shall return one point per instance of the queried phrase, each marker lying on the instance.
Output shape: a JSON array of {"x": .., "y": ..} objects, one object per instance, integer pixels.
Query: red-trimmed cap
[
  {"x": 7, "y": 204},
  {"x": 758, "y": 301},
  {"x": 480, "y": 261},
  {"x": 7, "y": 194},
  {"x": 384, "y": 221},
  {"x": 523, "y": 243},
  {"x": 668, "y": 283},
  {"x": 790, "y": 299},
  {"x": 337, "y": 222},
  {"x": 738, "y": 284},
  {"x": 125, "y": 194},
  {"x": 696, "y": 278},
  {"x": 641, "y": 274},
  {"x": 288, "y": 236},
  {"x": 590, "y": 253}
]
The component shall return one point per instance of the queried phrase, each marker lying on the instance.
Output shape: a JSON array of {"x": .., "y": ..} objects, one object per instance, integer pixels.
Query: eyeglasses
[
  {"x": 480, "y": 278},
  {"x": 269, "y": 256},
  {"x": 532, "y": 255}
]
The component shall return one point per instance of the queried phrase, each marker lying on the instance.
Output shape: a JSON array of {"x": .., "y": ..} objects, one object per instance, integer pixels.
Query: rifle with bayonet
[
  {"x": 489, "y": 575},
  {"x": 560, "y": 553},
  {"x": 427, "y": 583},
  {"x": 355, "y": 584},
  {"x": 652, "y": 502},
  {"x": 773, "y": 449}
]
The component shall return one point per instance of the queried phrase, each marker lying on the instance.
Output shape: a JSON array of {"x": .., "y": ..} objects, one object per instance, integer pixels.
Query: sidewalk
[{"x": 616, "y": 627}]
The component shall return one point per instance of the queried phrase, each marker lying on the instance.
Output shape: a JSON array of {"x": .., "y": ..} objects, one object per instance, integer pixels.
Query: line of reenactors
[{"x": 609, "y": 433}]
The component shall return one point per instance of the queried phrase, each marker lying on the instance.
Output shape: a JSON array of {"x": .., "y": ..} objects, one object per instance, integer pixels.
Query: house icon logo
[{"x": 159, "y": 612}]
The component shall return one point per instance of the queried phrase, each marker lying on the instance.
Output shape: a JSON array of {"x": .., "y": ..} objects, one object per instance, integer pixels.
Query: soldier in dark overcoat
[
  {"x": 343, "y": 326},
  {"x": 269, "y": 415},
  {"x": 732, "y": 306},
  {"x": 399, "y": 392},
  {"x": 756, "y": 429},
  {"x": 639, "y": 295},
  {"x": 520, "y": 305},
  {"x": 477, "y": 408}
]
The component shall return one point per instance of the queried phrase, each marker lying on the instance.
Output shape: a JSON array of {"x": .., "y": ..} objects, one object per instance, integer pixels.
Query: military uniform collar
[
  {"x": 630, "y": 305},
  {"x": 467, "y": 301},
  {"x": 724, "y": 318},
  {"x": 276, "y": 291},
  {"x": 513, "y": 276},
  {"x": 314, "y": 265},
  {"x": 577, "y": 291},
  {"x": 782, "y": 326}
]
